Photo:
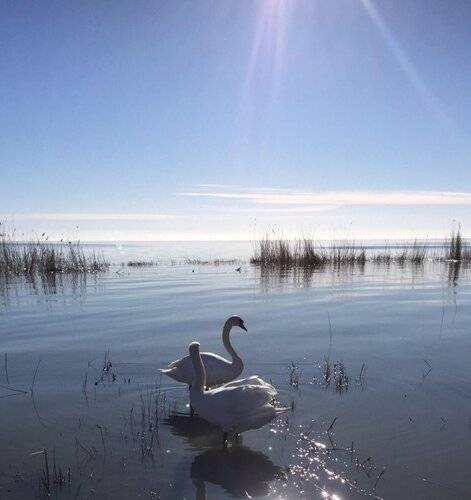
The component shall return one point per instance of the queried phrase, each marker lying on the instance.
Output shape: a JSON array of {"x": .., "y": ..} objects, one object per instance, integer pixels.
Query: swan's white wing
[
  {"x": 254, "y": 380},
  {"x": 180, "y": 370},
  {"x": 218, "y": 369},
  {"x": 237, "y": 408},
  {"x": 238, "y": 397}
]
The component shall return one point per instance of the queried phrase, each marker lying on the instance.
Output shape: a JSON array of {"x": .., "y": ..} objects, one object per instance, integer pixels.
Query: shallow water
[{"x": 401, "y": 336}]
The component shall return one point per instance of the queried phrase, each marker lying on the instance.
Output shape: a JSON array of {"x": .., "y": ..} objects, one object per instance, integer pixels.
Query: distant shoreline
[
  {"x": 40, "y": 255},
  {"x": 370, "y": 243}
]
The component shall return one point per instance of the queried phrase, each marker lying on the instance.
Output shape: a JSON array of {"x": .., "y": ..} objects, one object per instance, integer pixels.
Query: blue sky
[{"x": 224, "y": 119}]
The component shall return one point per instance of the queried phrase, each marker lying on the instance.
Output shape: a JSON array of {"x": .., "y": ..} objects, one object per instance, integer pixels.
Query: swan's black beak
[{"x": 243, "y": 327}]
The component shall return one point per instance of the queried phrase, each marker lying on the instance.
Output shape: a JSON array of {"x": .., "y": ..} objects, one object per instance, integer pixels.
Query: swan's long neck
[
  {"x": 199, "y": 382},
  {"x": 227, "y": 343}
]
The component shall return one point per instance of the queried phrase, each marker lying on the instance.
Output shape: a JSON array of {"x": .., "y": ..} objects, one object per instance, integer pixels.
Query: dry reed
[
  {"x": 43, "y": 257},
  {"x": 309, "y": 253}
]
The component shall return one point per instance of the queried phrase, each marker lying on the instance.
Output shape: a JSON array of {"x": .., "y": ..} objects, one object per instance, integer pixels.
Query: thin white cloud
[
  {"x": 291, "y": 210},
  {"x": 219, "y": 186},
  {"x": 339, "y": 198},
  {"x": 89, "y": 216}
]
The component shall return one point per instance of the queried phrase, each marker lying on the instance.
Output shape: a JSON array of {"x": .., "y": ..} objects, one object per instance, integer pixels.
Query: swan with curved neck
[
  {"x": 234, "y": 407},
  {"x": 218, "y": 369}
]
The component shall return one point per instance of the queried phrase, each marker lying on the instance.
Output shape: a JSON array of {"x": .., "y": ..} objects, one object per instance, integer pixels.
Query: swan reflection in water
[
  {"x": 197, "y": 432},
  {"x": 240, "y": 471}
]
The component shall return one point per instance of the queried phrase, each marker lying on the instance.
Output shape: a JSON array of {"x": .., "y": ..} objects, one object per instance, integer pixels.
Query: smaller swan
[
  {"x": 235, "y": 407},
  {"x": 218, "y": 369}
]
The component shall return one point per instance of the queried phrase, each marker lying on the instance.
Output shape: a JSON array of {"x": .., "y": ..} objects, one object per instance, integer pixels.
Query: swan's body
[
  {"x": 235, "y": 407},
  {"x": 218, "y": 369}
]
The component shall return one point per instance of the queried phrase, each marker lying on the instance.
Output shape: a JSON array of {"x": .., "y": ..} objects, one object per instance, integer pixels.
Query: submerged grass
[
  {"x": 40, "y": 256},
  {"x": 334, "y": 374},
  {"x": 51, "y": 481}
]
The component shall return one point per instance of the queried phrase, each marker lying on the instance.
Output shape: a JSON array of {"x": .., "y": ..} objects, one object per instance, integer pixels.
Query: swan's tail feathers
[{"x": 167, "y": 371}]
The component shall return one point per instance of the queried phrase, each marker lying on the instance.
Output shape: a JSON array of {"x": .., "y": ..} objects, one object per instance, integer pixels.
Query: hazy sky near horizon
[{"x": 223, "y": 119}]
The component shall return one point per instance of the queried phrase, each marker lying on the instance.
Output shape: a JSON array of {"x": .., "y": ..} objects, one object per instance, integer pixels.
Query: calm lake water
[{"x": 397, "y": 341}]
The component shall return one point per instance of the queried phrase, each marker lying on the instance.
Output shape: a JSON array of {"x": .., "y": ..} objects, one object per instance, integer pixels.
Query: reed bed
[
  {"x": 309, "y": 253},
  {"x": 305, "y": 253},
  {"x": 140, "y": 263},
  {"x": 458, "y": 249},
  {"x": 211, "y": 262},
  {"x": 43, "y": 257},
  {"x": 417, "y": 253}
]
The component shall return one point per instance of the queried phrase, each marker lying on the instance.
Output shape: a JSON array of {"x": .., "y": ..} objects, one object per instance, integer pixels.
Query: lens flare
[{"x": 405, "y": 63}]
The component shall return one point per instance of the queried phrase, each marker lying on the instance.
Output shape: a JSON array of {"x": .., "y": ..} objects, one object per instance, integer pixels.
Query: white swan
[
  {"x": 235, "y": 407},
  {"x": 218, "y": 370}
]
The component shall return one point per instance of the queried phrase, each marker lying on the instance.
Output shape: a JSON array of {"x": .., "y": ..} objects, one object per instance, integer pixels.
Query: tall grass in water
[
  {"x": 308, "y": 253},
  {"x": 458, "y": 250},
  {"x": 272, "y": 252},
  {"x": 41, "y": 256},
  {"x": 305, "y": 253},
  {"x": 415, "y": 254}
]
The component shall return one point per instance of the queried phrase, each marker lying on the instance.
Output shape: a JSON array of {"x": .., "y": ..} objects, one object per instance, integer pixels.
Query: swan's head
[
  {"x": 237, "y": 321},
  {"x": 194, "y": 348}
]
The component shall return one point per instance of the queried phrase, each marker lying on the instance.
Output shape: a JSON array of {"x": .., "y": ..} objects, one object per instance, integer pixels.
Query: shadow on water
[
  {"x": 198, "y": 433},
  {"x": 240, "y": 471}
]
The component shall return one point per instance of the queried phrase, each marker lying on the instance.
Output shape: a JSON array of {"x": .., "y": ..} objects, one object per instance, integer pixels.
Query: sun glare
[{"x": 269, "y": 40}]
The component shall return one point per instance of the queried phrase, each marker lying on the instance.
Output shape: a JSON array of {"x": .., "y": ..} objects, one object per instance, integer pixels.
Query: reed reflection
[
  {"x": 285, "y": 277},
  {"x": 454, "y": 268},
  {"x": 45, "y": 286}
]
